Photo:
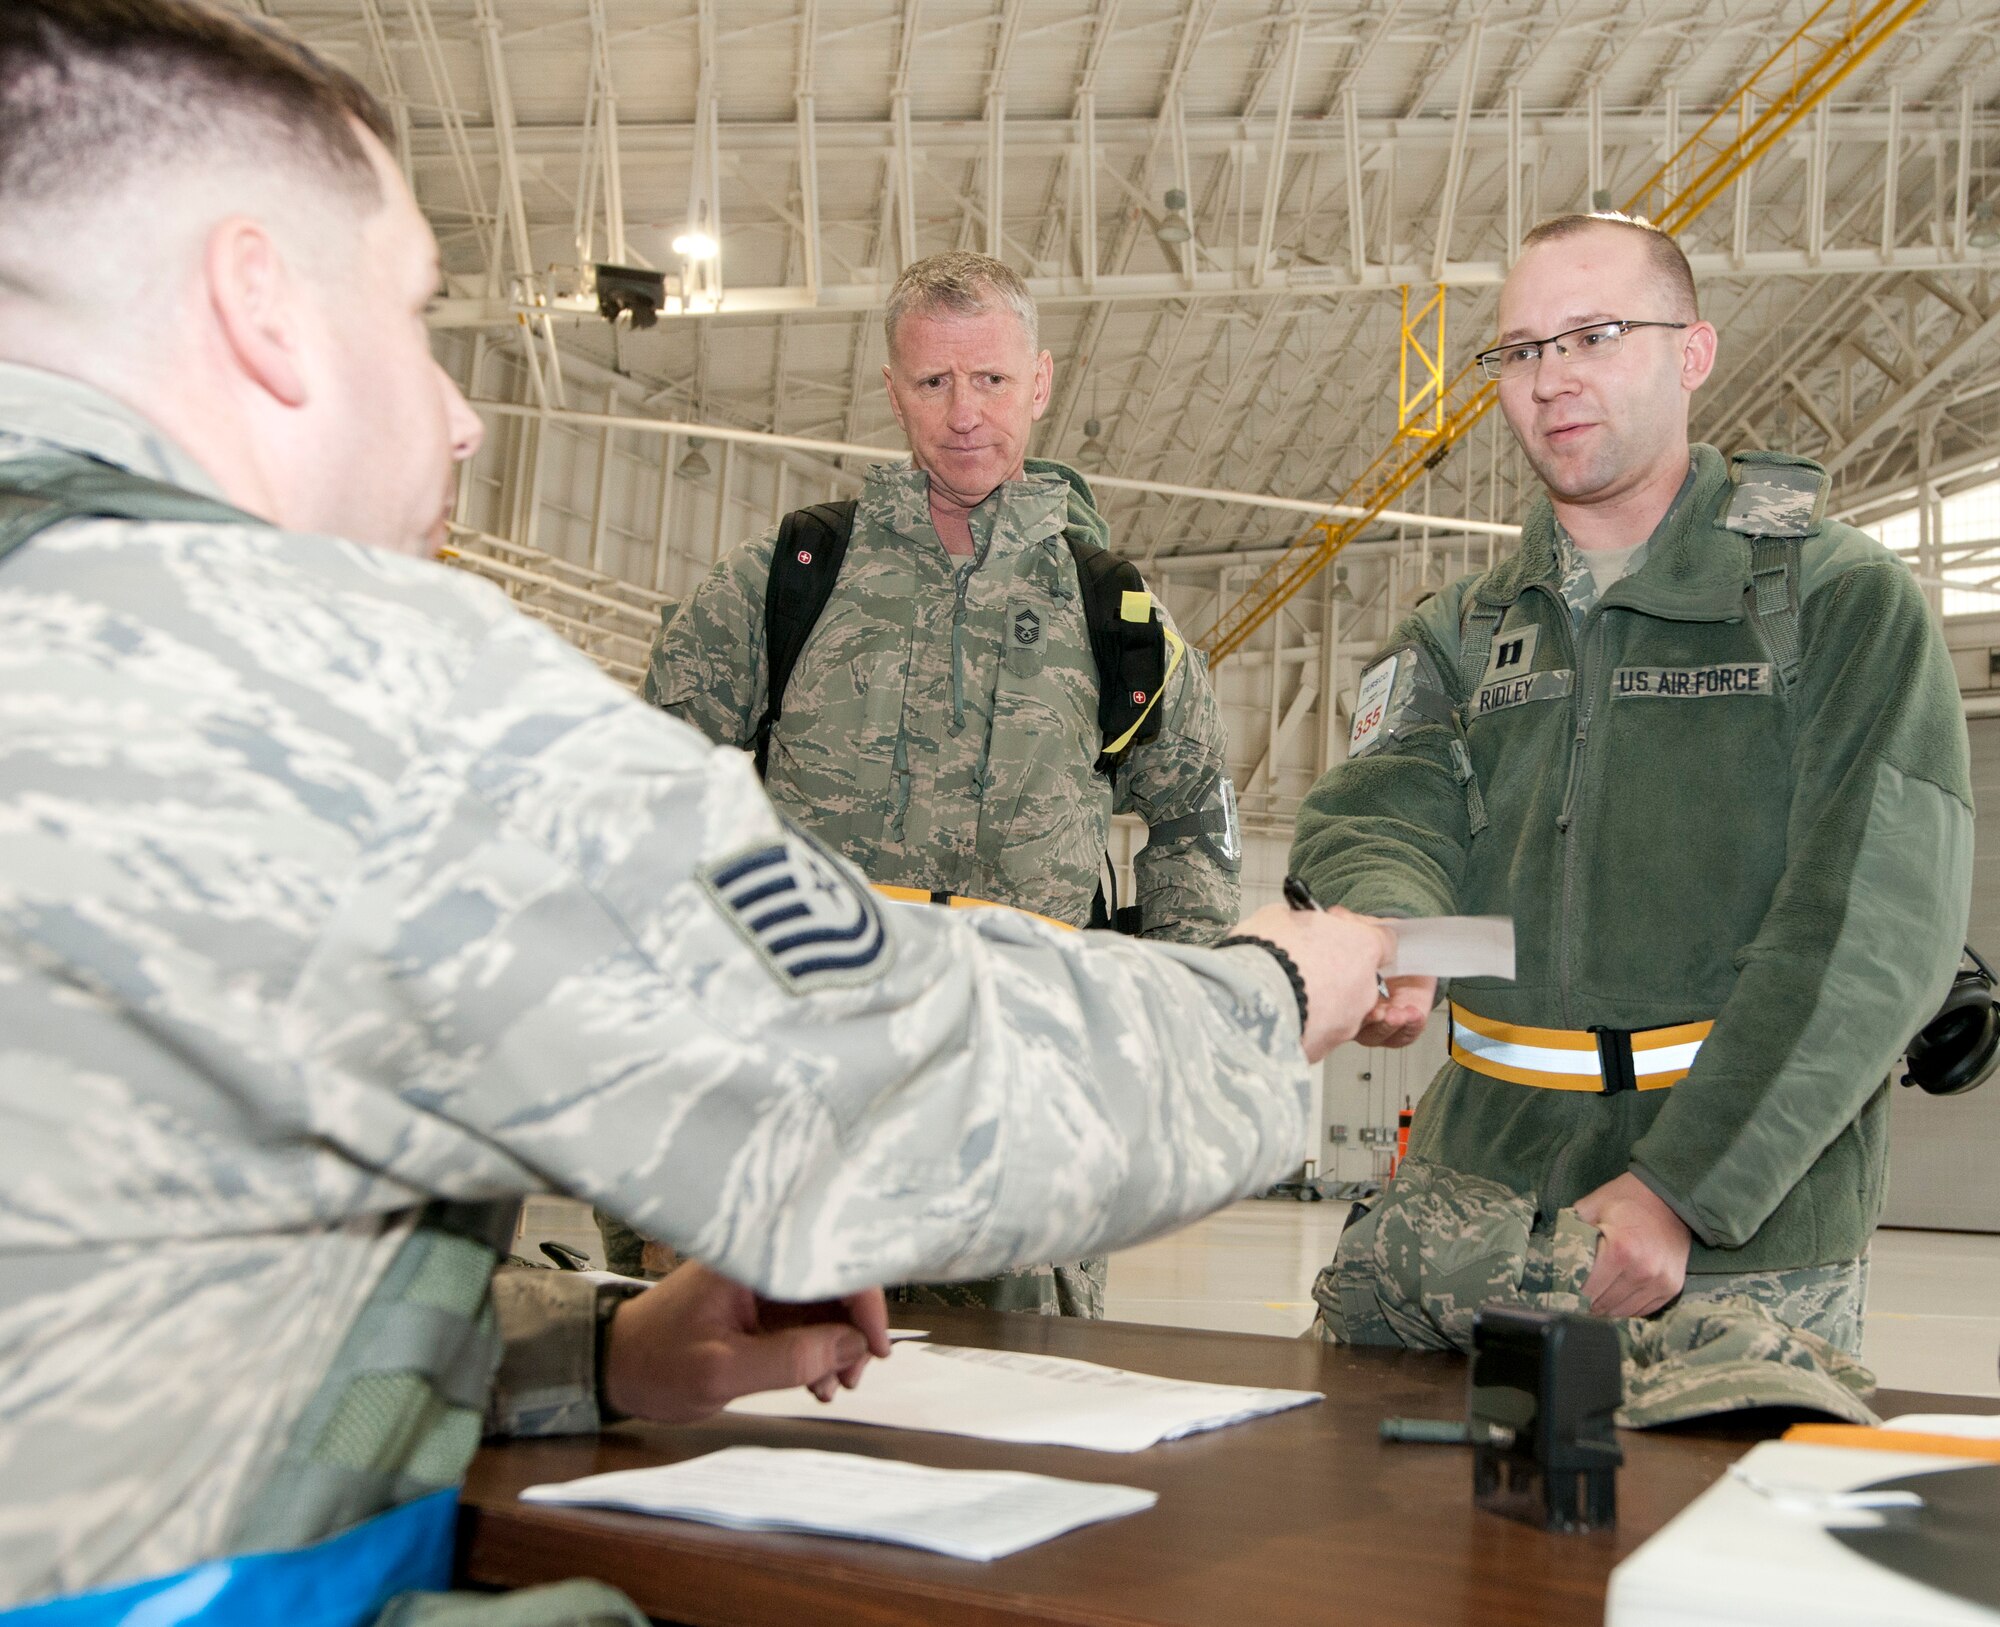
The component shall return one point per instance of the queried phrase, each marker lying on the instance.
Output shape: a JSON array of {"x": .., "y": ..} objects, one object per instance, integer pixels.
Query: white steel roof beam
[
  {"x": 1281, "y": 130},
  {"x": 1969, "y": 343},
  {"x": 1235, "y": 283},
  {"x": 1454, "y": 175},
  {"x": 1047, "y": 136},
  {"x": 806, "y": 115}
]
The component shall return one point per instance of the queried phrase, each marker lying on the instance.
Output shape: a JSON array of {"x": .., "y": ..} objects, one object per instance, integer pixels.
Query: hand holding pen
[
  {"x": 1334, "y": 958},
  {"x": 1299, "y": 896},
  {"x": 1403, "y": 1004}
]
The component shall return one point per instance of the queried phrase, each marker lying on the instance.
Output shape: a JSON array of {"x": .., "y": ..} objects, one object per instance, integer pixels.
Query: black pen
[{"x": 1299, "y": 896}]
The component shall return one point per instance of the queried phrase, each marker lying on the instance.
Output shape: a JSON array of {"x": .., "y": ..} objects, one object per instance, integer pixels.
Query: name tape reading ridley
[{"x": 1535, "y": 686}]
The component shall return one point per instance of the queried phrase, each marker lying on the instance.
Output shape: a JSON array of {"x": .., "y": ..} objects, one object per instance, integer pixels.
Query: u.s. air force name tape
[
  {"x": 1692, "y": 683},
  {"x": 812, "y": 924}
]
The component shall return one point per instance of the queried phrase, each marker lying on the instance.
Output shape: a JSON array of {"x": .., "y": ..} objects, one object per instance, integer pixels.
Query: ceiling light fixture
[
  {"x": 1092, "y": 450},
  {"x": 694, "y": 466},
  {"x": 1173, "y": 229},
  {"x": 696, "y": 244},
  {"x": 1983, "y": 230},
  {"x": 1342, "y": 593}
]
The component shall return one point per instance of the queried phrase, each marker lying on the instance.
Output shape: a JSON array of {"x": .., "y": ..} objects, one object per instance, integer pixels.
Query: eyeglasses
[{"x": 1579, "y": 344}]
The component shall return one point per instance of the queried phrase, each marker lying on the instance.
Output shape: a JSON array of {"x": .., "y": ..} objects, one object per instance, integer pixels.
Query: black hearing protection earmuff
[{"x": 1958, "y": 1047}]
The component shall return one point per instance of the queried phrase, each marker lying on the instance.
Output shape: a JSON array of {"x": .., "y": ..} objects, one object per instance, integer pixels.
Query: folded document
[
  {"x": 967, "y": 1513},
  {"x": 1010, "y": 1395},
  {"x": 1453, "y": 946}
]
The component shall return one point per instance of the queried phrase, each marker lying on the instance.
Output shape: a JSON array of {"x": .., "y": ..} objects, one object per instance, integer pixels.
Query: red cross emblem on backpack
[
  {"x": 805, "y": 556},
  {"x": 1138, "y": 697}
]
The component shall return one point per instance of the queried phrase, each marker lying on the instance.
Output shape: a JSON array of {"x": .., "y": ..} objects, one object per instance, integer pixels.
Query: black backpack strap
[
  {"x": 812, "y": 544},
  {"x": 1774, "y": 600},
  {"x": 1129, "y": 642},
  {"x": 48, "y": 488}
]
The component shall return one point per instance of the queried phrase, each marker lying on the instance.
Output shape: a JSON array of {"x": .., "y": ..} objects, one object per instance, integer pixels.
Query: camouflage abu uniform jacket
[
  {"x": 940, "y": 728},
  {"x": 331, "y": 887},
  {"x": 1680, "y": 837},
  {"x": 940, "y": 731}
]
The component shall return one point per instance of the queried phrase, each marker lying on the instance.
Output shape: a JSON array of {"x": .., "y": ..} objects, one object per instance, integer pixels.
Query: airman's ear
[
  {"x": 1698, "y": 356},
  {"x": 254, "y": 297},
  {"x": 895, "y": 401}
]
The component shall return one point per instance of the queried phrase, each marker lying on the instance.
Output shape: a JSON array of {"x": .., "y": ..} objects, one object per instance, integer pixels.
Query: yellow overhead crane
[{"x": 1833, "y": 41}]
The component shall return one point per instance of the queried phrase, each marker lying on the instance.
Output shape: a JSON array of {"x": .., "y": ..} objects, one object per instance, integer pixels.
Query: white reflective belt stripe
[
  {"x": 1534, "y": 1057},
  {"x": 1666, "y": 1059}
]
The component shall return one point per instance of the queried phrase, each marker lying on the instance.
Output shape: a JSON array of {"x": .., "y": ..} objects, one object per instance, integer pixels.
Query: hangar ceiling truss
[{"x": 1329, "y": 155}]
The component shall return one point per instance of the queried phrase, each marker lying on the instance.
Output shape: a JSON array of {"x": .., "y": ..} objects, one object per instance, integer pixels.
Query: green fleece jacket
[{"x": 1792, "y": 862}]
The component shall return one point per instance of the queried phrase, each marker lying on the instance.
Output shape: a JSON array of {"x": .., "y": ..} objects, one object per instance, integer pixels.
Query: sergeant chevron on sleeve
[
  {"x": 1705, "y": 746},
  {"x": 341, "y": 906}
]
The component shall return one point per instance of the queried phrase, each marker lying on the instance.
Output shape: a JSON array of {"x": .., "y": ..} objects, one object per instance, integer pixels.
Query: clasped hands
[{"x": 695, "y": 1341}]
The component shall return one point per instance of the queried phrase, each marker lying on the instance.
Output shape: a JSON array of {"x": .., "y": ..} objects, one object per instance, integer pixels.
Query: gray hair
[{"x": 963, "y": 284}]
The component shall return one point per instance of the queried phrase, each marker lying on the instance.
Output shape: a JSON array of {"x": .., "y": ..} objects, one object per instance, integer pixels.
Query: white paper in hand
[
  {"x": 1453, "y": 946},
  {"x": 967, "y": 1513},
  {"x": 1009, "y": 1395}
]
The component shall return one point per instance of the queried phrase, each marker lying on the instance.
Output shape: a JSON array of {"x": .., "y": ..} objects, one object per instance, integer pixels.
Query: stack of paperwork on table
[
  {"x": 1011, "y": 1395},
  {"x": 966, "y": 1513}
]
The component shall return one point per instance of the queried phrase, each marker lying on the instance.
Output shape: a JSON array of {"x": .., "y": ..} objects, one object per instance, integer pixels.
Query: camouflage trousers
[
  {"x": 1438, "y": 1244},
  {"x": 1047, "y": 1290},
  {"x": 1415, "y": 1269},
  {"x": 1822, "y": 1299}
]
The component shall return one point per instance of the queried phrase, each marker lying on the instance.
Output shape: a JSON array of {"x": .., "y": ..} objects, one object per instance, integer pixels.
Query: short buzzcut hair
[
  {"x": 96, "y": 92},
  {"x": 1669, "y": 264},
  {"x": 963, "y": 284}
]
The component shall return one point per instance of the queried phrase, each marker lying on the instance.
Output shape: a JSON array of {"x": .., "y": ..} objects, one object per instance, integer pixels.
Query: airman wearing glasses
[{"x": 1705, "y": 746}]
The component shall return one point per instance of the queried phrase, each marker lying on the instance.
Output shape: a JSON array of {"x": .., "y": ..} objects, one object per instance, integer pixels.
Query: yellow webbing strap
[
  {"x": 958, "y": 901},
  {"x": 1175, "y": 650}
]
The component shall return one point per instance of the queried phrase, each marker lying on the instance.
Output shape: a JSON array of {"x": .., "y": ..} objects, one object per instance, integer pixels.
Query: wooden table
[{"x": 1302, "y": 1517}]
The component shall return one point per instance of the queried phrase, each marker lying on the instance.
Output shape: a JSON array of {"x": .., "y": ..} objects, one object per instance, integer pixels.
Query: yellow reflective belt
[
  {"x": 958, "y": 901},
  {"x": 1568, "y": 1058}
]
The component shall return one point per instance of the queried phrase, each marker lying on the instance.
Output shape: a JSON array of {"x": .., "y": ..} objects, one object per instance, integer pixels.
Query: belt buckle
[{"x": 1614, "y": 1060}]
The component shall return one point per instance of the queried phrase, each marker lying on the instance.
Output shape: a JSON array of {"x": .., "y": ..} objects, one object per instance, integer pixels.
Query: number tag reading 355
[{"x": 1373, "y": 704}]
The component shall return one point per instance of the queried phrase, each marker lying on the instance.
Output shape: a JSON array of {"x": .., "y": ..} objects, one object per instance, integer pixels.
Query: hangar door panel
[{"x": 1944, "y": 1151}]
